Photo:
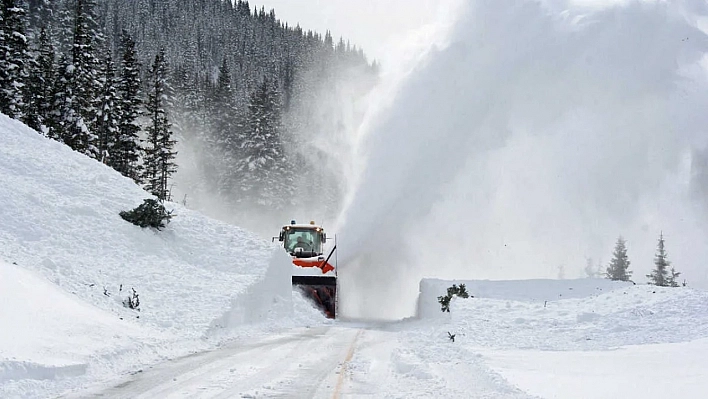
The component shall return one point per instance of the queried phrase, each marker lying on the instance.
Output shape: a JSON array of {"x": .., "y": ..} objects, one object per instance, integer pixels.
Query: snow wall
[
  {"x": 268, "y": 299},
  {"x": 539, "y": 133},
  {"x": 539, "y": 290}
]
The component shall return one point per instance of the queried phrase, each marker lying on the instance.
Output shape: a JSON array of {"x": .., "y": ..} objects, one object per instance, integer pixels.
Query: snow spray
[{"x": 538, "y": 133}]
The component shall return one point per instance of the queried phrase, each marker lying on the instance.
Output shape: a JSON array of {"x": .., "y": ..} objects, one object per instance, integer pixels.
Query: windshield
[{"x": 307, "y": 239}]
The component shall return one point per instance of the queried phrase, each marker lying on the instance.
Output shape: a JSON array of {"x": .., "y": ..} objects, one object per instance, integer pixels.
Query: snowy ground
[
  {"x": 584, "y": 338},
  {"x": 68, "y": 260},
  {"x": 218, "y": 317}
]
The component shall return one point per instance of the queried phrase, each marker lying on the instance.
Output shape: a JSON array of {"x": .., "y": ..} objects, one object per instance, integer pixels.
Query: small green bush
[
  {"x": 460, "y": 291},
  {"x": 150, "y": 213}
]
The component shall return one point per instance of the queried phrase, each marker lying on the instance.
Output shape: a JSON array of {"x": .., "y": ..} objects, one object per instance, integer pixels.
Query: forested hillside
[{"x": 223, "y": 96}]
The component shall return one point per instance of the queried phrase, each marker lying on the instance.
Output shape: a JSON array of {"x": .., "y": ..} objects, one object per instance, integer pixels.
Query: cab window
[{"x": 307, "y": 239}]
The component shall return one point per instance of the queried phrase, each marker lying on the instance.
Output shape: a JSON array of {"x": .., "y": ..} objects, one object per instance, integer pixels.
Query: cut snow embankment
[
  {"x": 48, "y": 333},
  {"x": 60, "y": 220},
  {"x": 558, "y": 338}
]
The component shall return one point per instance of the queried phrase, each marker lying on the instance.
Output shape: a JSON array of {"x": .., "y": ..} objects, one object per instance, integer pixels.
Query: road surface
[{"x": 307, "y": 363}]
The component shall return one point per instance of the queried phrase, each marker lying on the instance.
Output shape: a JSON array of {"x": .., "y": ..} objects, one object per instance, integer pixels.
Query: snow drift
[
  {"x": 64, "y": 246},
  {"x": 567, "y": 338},
  {"x": 541, "y": 132},
  {"x": 511, "y": 290},
  {"x": 47, "y": 333}
]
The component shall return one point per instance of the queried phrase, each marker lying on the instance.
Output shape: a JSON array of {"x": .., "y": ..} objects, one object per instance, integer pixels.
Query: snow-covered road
[
  {"x": 346, "y": 360},
  {"x": 302, "y": 363}
]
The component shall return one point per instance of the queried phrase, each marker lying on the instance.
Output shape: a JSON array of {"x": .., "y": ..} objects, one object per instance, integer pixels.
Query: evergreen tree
[
  {"x": 108, "y": 112},
  {"x": 159, "y": 153},
  {"x": 264, "y": 168},
  {"x": 40, "y": 13},
  {"x": 619, "y": 265},
  {"x": 126, "y": 149},
  {"x": 660, "y": 274},
  {"x": 14, "y": 58},
  {"x": 672, "y": 279},
  {"x": 60, "y": 96},
  {"x": 41, "y": 80},
  {"x": 83, "y": 80},
  {"x": 228, "y": 130}
]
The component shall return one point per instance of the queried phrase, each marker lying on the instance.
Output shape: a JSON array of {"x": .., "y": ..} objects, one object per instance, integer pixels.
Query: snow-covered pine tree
[
  {"x": 228, "y": 131},
  {"x": 266, "y": 177},
  {"x": 660, "y": 274},
  {"x": 84, "y": 80},
  {"x": 108, "y": 112},
  {"x": 126, "y": 150},
  {"x": 159, "y": 152},
  {"x": 14, "y": 58},
  {"x": 619, "y": 265},
  {"x": 40, "y": 13},
  {"x": 62, "y": 24},
  {"x": 60, "y": 96},
  {"x": 40, "y": 83}
]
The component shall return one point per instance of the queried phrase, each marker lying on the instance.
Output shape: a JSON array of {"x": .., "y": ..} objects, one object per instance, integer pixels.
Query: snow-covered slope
[
  {"x": 49, "y": 334},
  {"x": 588, "y": 338},
  {"x": 61, "y": 225}
]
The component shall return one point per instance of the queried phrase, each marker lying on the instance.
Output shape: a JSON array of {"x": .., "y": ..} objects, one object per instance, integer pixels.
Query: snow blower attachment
[{"x": 313, "y": 274}]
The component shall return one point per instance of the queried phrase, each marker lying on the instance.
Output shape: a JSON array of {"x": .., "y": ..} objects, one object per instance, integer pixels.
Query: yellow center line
[{"x": 343, "y": 370}]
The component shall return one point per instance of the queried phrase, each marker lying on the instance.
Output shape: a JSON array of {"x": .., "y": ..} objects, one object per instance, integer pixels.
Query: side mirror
[
  {"x": 281, "y": 236},
  {"x": 324, "y": 237}
]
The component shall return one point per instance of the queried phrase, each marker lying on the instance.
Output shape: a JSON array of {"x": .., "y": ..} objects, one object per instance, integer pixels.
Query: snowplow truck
[{"x": 313, "y": 274}]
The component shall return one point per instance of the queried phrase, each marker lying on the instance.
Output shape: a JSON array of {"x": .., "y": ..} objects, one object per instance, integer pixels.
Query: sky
[{"x": 373, "y": 25}]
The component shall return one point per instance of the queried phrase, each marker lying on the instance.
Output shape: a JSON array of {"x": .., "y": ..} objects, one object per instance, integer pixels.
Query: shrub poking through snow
[
  {"x": 150, "y": 213},
  {"x": 460, "y": 291},
  {"x": 133, "y": 301}
]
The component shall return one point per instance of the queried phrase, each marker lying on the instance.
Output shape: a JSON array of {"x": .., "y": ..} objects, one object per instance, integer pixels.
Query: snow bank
[
  {"x": 540, "y": 290},
  {"x": 60, "y": 213},
  {"x": 591, "y": 338},
  {"x": 49, "y": 334},
  {"x": 270, "y": 298},
  {"x": 70, "y": 248}
]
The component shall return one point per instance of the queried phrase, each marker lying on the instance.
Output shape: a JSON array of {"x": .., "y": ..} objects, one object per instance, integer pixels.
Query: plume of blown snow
[{"x": 539, "y": 133}]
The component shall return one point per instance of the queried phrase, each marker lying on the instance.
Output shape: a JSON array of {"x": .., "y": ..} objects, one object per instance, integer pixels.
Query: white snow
[
  {"x": 505, "y": 153},
  {"x": 68, "y": 261},
  {"x": 587, "y": 338},
  {"x": 49, "y": 334}
]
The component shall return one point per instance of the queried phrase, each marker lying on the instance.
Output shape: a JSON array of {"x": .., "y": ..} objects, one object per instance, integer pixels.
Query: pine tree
[
  {"x": 38, "y": 93},
  {"x": 40, "y": 13},
  {"x": 83, "y": 80},
  {"x": 672, "y": 279},
  {"x": 14, "y": 58},
  {"x": 266, "y": 177},
  {"x": 660, "y": 274},
  {"x": 619, "y": 265},
  {"x": 159, "y": 153},
  {"x": 228, "y": 130},
  {"x": 108, "y": 112},
  {"x": 60, "y": 96},
  {"x": 126, "y": 150}
]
